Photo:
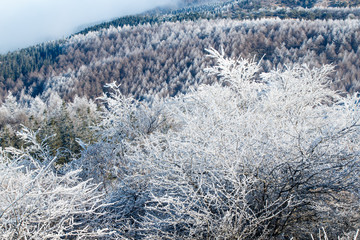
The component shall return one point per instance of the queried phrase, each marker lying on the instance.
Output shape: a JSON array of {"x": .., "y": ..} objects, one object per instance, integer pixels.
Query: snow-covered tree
[
  {"x": 250, "y": 157},
  {"x": 36, "y": 202}
]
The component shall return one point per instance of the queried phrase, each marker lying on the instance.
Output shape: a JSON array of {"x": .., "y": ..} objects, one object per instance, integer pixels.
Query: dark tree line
[{"x": 17, "y": 68}]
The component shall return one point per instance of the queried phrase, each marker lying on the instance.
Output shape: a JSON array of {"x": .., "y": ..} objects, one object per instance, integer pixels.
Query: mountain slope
[{"x": 164, "y": 52}]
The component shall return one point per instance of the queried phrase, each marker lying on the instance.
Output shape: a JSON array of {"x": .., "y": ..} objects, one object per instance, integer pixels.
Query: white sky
[{"x": 27, "y": 22}]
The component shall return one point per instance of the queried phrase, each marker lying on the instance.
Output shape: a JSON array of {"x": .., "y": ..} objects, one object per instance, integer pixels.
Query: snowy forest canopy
[{"x": 164, "y": 60}]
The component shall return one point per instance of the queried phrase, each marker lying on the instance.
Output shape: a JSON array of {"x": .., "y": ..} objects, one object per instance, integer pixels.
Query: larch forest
[{"x": 213, "y": 120}]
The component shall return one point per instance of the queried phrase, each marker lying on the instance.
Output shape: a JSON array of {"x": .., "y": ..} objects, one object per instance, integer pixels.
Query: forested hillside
[
  {"x": 168, "y": 58},
  {"x": 166, "y": 50}
]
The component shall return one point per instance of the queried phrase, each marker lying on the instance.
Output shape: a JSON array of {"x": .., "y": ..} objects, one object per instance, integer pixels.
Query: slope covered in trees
[
  {"x": 269, "y": 156},
  {"x": 34, "y": 69},
  {"x": 168, "y": 58}
]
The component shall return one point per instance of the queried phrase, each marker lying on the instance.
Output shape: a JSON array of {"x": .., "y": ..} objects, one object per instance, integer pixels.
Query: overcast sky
[{"x": 27, "y": 22}]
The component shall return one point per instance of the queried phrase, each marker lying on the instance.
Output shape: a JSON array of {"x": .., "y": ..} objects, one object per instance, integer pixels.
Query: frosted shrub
[
  {"x": 250, "y": 157},
  {"x": 38, "y": 203}
]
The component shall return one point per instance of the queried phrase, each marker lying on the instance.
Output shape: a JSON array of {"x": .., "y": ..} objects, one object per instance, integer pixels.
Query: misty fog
[{"x": 27, "y": 22}]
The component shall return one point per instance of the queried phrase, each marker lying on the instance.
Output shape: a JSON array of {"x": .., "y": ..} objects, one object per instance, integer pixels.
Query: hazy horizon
[{"x": 24, "y": 23}]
